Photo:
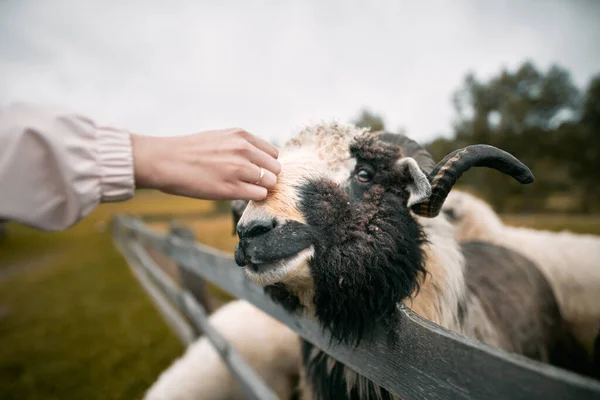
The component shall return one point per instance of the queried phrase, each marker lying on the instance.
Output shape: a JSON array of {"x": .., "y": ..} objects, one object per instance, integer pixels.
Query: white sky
[{"x": 174, "y": 67}]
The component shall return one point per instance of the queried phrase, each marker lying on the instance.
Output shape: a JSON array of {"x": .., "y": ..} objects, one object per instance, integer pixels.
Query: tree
[
  {"x": 368, "y": 119},
  {"x": 581, "y": 148},
  {"x": 516, "y": 101},
  {"x": 441, "y": 146},
  {"x": 521, "y": 112}
]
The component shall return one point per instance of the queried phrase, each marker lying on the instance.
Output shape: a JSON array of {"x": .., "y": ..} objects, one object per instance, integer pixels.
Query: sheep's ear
[{"x": 418, "y": 186}]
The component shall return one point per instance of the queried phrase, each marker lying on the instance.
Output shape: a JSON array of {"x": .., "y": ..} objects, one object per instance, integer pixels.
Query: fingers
[
  {"x": 269, "y": 180},
  {"x": 260, "y": 152},
  {"x": 264, "y": 160},
  {"x": 251, "y": 174},
  {"x": 261, "y": 144},
  {"x": 248, "y": 191}
]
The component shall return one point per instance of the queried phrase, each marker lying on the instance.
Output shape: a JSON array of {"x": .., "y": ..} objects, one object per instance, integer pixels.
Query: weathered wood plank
[
  {"x": 172, "y": 315},
  {"x": 145, "y": 268},
  {"x": 426, "y": 362},
  {"x": 253, "y": 385},
  {"x": 189, "y": 280}
]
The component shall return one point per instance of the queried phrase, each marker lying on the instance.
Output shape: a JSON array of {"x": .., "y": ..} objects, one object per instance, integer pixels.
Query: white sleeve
[{"x": 56, "y": 166}]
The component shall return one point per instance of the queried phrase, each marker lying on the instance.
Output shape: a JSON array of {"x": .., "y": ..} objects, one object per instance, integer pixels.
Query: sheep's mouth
[
  {"x": 276, "y": 247},
  {"x": 266, "y": 273},
  {"x": 294, "y": 259}
]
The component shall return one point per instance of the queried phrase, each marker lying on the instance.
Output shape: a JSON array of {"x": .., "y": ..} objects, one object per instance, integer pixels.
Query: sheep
[
  {"x": 569, "y": 261},
  {"x": 269, "y": 347},
  {"x": 353, "y": 226}
]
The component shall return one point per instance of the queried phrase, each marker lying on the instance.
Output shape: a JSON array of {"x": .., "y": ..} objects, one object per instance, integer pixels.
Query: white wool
[
  {"x": 323, "y": 148},
  {"x": 570, "y": 261},
  {"x": 331, "y": 140},
  {"x": 320, "y": 151},
  {"x": 270, "y": 348},
  {"x": 445, "y": 262}
]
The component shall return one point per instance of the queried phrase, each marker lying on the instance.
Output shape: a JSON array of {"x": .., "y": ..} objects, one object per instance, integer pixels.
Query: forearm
[{"x": 56, "y": 166}]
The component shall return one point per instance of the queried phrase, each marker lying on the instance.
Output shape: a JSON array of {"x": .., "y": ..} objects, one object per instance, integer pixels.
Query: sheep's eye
[{"x": 364, "y": 176}]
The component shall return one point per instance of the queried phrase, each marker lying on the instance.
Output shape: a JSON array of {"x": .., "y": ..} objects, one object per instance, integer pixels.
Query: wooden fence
[{"x": 427, "y": 362}]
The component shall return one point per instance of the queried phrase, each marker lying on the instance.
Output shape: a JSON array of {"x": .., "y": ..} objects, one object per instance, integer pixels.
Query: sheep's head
[
  {"x": 339, "y": 235},
  {"x": 472, "y": 217}
]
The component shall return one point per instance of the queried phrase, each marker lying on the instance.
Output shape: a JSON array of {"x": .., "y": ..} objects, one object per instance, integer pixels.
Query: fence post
[{"x": 193, "y": 283}]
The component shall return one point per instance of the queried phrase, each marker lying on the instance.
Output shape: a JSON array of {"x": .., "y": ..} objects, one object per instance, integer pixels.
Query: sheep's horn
[{"x": 446, "y": 173}]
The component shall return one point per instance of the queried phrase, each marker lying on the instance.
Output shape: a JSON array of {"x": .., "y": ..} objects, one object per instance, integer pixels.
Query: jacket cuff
[{"x": 117, "y": 181}]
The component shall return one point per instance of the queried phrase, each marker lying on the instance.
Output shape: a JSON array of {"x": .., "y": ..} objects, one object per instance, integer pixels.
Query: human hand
[{"x": 213, "y": 165}]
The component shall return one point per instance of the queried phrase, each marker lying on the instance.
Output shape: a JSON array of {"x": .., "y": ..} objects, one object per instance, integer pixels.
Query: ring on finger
[{"x": 262, "y": 173}]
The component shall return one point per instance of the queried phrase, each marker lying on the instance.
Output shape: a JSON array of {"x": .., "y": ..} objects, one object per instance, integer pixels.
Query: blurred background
[{"x": 520, "y": 75}]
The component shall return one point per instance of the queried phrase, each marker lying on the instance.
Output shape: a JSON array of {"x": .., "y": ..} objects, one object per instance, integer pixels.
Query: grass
[
  {"x": 556, "y": 222},
  {"x": 74, "y": 322},
  {"x": 214, "y": 231}
]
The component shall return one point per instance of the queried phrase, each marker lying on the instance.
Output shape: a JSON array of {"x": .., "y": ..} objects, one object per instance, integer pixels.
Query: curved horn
[
  {"x": 446, "y": 173},
  {"x": 410, "y": 148}
]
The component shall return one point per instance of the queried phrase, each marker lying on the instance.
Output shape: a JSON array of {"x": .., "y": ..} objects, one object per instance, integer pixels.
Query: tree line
[{"x": 542, "y": 118}]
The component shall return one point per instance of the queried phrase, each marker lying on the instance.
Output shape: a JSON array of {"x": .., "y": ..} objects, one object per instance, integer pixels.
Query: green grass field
[
  {"x": 557, "y": 222},
  {"x": 74, "y": 323}
]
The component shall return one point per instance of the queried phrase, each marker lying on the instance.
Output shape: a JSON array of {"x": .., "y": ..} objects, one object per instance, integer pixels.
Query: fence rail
[{"x": 426, "y": 362}]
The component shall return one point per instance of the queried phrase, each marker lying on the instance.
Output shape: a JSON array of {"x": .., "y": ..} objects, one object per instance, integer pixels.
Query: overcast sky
[{"x": 173, "y": 67}]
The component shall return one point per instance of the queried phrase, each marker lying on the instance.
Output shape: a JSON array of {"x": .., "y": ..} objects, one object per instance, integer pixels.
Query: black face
[
  {"x": 264, "y": 245},
  {"x": 367, "y": 245}
]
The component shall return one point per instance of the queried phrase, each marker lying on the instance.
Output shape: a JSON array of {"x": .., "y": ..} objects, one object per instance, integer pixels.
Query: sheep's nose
[{"x": 255, "y": 228}]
